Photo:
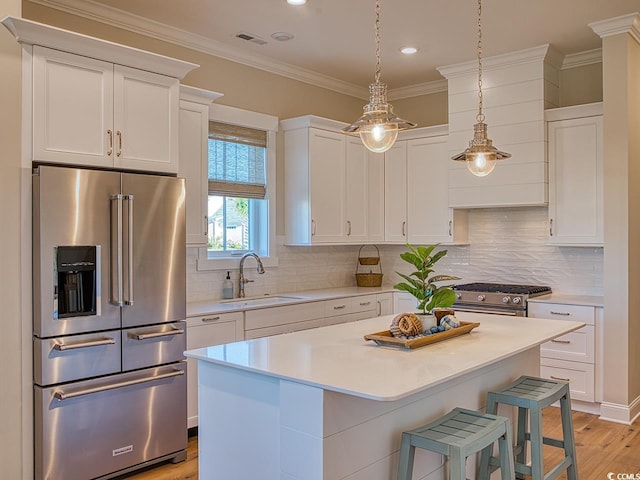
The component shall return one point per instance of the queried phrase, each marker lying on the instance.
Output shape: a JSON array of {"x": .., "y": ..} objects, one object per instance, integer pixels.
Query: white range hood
[{"x": 517, "y": 88}]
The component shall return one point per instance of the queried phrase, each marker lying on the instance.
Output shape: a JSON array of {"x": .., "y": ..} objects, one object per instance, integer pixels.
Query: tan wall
[
  {"x": 425, "y": 110},
  {"x": 581, "y": 85},
  {"x": 11, "y": 413}
]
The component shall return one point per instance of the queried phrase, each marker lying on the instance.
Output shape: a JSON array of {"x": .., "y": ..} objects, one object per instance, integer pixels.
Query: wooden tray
[{"x": 385, "y": 338}]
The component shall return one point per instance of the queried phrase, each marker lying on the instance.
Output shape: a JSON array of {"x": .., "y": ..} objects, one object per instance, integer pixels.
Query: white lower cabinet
[
  {"x": 571, "y": 357},
  {"x": 404, "y": 302},
  {"x": 384, "y": 303},
  {"x": 205, "y": 331}
]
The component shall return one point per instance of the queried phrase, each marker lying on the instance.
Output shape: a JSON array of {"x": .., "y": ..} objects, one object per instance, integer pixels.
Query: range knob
[
  {"x": 506, "y": 299},
  {"x": 481, "y": 298},
  {"x": 516, "y": 300}
]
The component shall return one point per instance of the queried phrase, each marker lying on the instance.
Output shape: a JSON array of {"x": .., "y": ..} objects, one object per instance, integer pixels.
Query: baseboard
[
  {"x": 618, "y": 413},
  {"x": 586, "y": 407}
]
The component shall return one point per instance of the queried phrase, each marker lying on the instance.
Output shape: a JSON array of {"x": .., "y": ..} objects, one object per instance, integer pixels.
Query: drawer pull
[
  {"x": 146, "y": 336},
  {"x": 210, "y": 319},
  {"x": 560, "y": 378},
  {"x": 339, "y": 307},
  {"x": 565, "y": 314},
  {"x": 364, "y": 304},
  {"x": 61, "y": 347},
  {"x": 561, "y": 341}
]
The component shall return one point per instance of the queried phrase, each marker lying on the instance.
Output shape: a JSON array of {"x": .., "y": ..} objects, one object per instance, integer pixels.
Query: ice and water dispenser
[{"x": 76, "y": 274}]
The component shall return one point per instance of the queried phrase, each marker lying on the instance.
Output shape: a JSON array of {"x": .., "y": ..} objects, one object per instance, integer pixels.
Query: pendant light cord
[
  {"x": 377, "y": 26},
  {"x": 480, "y": 116}
]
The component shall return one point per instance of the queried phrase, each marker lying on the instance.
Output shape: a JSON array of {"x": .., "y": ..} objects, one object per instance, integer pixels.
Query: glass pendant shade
[{"x": 481, "y": 155}]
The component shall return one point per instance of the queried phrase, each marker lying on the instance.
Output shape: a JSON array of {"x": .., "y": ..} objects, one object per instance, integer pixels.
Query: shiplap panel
[
  {"x": 529, "y": 132},
  {"x": 501, "y": 115},
  {"x": 497, "y": 77},
  {"x": 520, "y": 153},
  {"x": 493, "y": 97},
  {"x": 482, "y": 197},
  {"x": 505, "y": 173}
]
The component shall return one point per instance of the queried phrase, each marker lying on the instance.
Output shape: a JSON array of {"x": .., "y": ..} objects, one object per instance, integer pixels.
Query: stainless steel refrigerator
[{"x": 109, "y": 304}]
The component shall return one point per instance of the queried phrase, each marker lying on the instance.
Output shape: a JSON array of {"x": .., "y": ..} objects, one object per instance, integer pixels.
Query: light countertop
[
  {"x": 337, "y": 357},
  {"x": 209, "y": 307},
  {"x": 556, "y": 298}
]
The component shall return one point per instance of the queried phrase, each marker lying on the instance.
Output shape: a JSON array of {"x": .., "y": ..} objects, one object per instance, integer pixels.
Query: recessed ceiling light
[
  {"x": 408, "y": 50},
  {"x": 281, "y": 36},
  {"x": 296, "y": 2}
]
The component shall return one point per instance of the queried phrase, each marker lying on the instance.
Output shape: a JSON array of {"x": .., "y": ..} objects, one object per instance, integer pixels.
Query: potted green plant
[{"x": 422, "y": 284}]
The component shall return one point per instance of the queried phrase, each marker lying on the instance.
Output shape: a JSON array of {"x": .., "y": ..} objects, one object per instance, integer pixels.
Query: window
[{"x": 241, "y": 186}]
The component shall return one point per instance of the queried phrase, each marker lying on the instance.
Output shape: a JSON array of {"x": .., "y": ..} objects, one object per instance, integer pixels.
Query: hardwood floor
[{"x": 602, "y": 447}]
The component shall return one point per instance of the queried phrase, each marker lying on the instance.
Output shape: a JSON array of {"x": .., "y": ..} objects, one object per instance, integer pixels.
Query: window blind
[{"x": 236, "y": 161}]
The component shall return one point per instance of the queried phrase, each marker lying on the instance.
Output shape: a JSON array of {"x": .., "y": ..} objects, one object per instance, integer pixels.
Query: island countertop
[{"x": 337, "y": 358}]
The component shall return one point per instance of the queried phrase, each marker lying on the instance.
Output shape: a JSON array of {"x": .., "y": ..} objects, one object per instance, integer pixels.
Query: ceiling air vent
[{"x": 251, "y": 38}]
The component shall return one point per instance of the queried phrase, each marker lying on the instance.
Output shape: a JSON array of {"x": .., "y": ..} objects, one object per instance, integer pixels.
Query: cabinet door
[
  {"x": 146, "y": 111},
  {"x": 385, "y": 304},
  {"x": 72, "y": 108},
  {"x": 428, "y": 214},
  {"x": 194, "y": 128},
  {"x": 375, "y": 206},
  {"x": 395, "y": 193},
  {"x": 356, "y": 190},
  {"x": 204, "y": 332},
  {"x": 327, "y": 185},
  {"x": 576, "y": 181}
]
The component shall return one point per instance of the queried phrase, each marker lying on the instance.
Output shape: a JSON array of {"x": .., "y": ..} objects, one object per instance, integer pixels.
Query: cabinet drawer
[
  {"x": 364, "y": 303},
  {"x": 287, "y": 328},
  {"x": 557, "y": 311},
  {"x": 581, "y": 376},
  {"x": 576, "y": 346},
  {"x": 215, "y": 329},
  {"x": 270, "y": 317},
  {"x": 339, "y": 306},
  {"x": 157, "y": 344}
]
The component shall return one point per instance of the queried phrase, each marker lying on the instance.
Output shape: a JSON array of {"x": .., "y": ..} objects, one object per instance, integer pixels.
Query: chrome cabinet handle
[
  {"x": 130, "y": 260},
  {"x": 146, "y": 336},
  {"x": 450, "y": 225},
  {"x": 379, "y": 308},
  {"x": 551, "y": 227},
  {"x": 110, "y": 134},
  {"x": 61, "y": 395},
  {"x": 116, "y": 250},
  {"x": 61, "y": 347},
  {"x": 404, "y": 224},
  {"x": 206, "y": 225},
  {"x": 561, "y": 341},
  {"x": 119, "y": 135},
  {"x": 564, "y": 314},
  {"x": 339, "y": 307},
  {"x": 313, "y": 227},
  {"x": 363, "y": 304},
  {"x": 349, "y": 225},
  {"x": 560, "y": 378},
  {"x": 210, "y": 319}
]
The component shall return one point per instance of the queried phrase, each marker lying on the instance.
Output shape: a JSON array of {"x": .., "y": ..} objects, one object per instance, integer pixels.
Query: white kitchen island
[{"x": 325, "y": 404}]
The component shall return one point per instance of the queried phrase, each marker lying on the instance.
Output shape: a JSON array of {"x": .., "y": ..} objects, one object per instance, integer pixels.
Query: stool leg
[
  {"x": 407, "y": 452},
  {"x": 457, "y": 465},
  {"x": 537, "y": 472},
  {"x": 505, "y": 445},
  {"x": 567, "y": 435},
  {"x": 484, "y": 471},
  {"x": 521, "y": 443}
]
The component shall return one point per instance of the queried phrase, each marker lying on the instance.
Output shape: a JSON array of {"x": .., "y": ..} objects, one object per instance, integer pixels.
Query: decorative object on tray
[
  {"x": 370, "y": 279},
  {"x": 422, "y": 284},
  {"x": 386, "y": 338}
]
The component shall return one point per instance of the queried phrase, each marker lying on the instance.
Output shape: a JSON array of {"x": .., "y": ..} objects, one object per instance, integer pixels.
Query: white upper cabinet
[
  {"x": 95, "y": 113},
  {"x": 576, "y": 170},
  {"x": 395, "y": 193},
  {"x": 194, "y": 134},
  {"x": 333, "y": 185}
]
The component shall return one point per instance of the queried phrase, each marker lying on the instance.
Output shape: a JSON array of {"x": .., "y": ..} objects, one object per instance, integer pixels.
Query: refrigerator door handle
[
  {"x": 129, "y": 299},
  {"x": 145, "y": 336},
  {"x": 61, "y": 347},
  {"x": 60, "y": 395},
  {"x": 116, "y": 292}
]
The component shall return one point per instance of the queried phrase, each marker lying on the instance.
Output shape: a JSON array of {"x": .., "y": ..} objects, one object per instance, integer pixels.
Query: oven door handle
[
  {"x": 60, "y": 395},
  {"x": 61, "y": 347}
]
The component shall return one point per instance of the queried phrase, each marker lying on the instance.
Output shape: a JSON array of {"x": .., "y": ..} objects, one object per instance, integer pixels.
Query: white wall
[{"x": 506, "y": 245}]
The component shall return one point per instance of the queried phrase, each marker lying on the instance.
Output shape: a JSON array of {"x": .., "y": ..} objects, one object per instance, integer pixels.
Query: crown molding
[
  {"x": 134, "y": 23},
  {"x": 581, "y": 59},
  {"x": 409, "y": 91},
  {"x": 614, "y": 26}
]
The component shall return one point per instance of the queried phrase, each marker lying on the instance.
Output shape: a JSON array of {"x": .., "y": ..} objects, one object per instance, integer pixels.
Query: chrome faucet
[{"x": 244, "y": 280}]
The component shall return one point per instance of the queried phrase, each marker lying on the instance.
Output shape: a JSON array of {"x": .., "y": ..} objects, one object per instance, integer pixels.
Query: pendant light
[
  {"x": 378, "y": 126},
  {"x": 481, "y": 155}
]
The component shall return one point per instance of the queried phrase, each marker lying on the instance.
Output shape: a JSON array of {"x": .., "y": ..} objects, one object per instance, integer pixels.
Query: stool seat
[
  {"x": 457, "y": 435},
  {"x": 531, "y": 395}
]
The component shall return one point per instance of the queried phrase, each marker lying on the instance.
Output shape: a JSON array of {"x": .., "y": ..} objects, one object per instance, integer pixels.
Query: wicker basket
[{"x": 370, "y": 279}]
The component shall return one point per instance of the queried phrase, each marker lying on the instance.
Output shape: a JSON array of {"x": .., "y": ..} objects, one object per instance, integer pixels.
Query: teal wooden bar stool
[
  {"x": 531, "y": 395},
  {"x": 457, "y": 435}
]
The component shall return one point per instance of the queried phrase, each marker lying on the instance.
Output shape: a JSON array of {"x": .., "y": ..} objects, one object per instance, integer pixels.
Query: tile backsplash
[{"x": 505, "y": 245}]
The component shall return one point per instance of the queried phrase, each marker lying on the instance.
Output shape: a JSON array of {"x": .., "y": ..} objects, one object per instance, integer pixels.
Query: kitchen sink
[{"x": 257, "y": 301}]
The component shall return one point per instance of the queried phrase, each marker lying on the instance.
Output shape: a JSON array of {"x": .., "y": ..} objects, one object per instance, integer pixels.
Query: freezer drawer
[
  {"x": 93, "y": 428},
  {"x": 69, "y": 358},
  {"x": 155, "y": 345}
]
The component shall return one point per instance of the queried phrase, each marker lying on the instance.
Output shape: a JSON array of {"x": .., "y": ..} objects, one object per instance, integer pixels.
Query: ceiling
[{"x": 334, "y": 43}]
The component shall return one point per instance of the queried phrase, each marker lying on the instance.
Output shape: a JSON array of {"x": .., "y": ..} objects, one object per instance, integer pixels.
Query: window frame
[{"x": 266, "y": 234}]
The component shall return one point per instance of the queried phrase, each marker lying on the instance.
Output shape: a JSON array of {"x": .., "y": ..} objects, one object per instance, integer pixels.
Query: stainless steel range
[{"x": 500, "y": 298}]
